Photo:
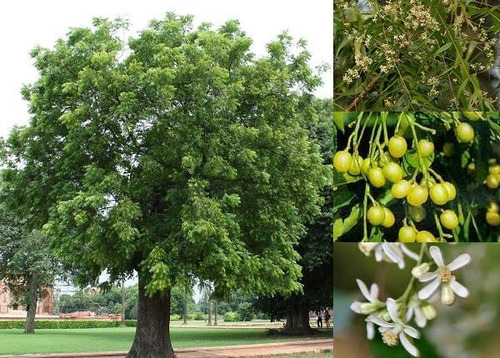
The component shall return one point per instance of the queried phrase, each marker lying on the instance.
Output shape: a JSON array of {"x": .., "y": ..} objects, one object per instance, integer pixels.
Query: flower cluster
[{"x": 394, "y": 316}]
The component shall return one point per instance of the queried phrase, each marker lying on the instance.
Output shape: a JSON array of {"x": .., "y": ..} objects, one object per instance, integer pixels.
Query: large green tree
[
  {"x": 315, "y": 247},
  {"x": 179, "y": 154},
  {"x": 27, "y": 265}
]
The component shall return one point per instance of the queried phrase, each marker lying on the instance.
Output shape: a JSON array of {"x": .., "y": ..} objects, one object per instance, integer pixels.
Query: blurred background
[{"x": 470, "y": 328}]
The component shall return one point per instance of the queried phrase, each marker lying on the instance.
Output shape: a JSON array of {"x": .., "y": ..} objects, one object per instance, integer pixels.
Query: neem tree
[{"x": 180, "y": 155}]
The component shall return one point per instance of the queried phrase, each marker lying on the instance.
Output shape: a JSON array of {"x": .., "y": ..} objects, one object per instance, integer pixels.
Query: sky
[{"x": 26, "y": 24}]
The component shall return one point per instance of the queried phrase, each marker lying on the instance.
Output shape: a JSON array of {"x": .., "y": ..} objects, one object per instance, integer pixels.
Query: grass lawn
[{"x": 13, "y": 341}]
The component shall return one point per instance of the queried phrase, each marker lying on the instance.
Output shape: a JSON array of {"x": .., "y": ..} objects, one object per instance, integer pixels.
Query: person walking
[
  {"x": 320, "y": 318},
  {"x": 327, "y": 318}
]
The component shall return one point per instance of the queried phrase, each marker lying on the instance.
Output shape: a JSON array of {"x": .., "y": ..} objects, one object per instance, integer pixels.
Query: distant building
[{"x": 8, "y": 306}]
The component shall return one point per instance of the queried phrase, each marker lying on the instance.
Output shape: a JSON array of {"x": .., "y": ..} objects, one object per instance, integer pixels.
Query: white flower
[
  {"x": 397, "y": 330},
  {"x": 423, "y": 311},
  {"x": 390, "y": 252},
  {"x": 371, "y": 306},
  {"x": 373, "y": 303},
  {"x": 443, "y": 277}
]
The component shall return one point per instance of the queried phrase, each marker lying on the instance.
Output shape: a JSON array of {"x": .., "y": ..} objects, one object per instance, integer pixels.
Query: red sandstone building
[{"x": 8, "y": 307}]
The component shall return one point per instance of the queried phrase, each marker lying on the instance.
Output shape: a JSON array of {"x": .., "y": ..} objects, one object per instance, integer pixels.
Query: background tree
[
  {"x": 315, "y": 248},
  {"x": 27, "y": 265},
  {"x": 182, "y": 155}
]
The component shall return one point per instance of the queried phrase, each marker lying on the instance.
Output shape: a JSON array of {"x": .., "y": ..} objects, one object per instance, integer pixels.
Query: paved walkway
[{"x": 254, "y": 350}]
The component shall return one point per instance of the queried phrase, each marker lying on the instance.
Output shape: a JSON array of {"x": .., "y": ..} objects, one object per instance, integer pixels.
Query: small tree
[{"x": 27, "y": 265}]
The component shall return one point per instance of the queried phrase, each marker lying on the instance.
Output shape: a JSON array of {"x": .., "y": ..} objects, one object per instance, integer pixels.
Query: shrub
[
  {"x": 175, "y": 317},
  {"x": 60, "y": 324},
  {"x": 232, "y": 317}
]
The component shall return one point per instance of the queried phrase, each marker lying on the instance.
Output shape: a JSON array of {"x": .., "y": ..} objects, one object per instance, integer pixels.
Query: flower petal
[
  {"x": 379, "y": 321},
  {"x": 394, "y": 253},
  {"x": 356, "y": 307},
  {"x": 437, "y": 256},
  {"x": 392, "y": 309},
  {"x": 427, "y": 276},
  {"x": 363, "y": 289},
  {"x": 408, "y": 346},
  {"x": 460, "y": 261},
  {"x": 428, "y": 290},
  {"x": 370, "y": 330},
  {"x": 420, "y": 318},
  {"x": 409, "y": 253},
  {"x": 412, "y": 332},
  {"x": 459, "y": 289},
  {"x": 378, "y": 253},
  {"x": 374, "y": 292}
]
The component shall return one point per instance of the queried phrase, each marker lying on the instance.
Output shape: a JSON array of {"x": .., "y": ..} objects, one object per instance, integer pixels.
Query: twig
[{"x": 362, "y": 94}]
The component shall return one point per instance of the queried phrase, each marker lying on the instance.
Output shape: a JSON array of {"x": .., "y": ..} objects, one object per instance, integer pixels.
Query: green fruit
[
  {"x": 397, "y": 146},
  {"x": 376, "y": 215},
  {"x": 400, "y": 189},
  {"x": 425, "y": 148},
  {"x": 417, "y": 213},
  {"x": 465, "y": 133},
  {"x": 472, "y": 116},
  {"x": 376, "y": 177},
  {"x": 449, "y": 149},
  {"x": 418, "y": 195},
  {"x": 449, "y": 219},
  {"x": 393, "y": 172},
  {"x": 407, "y": 234},
  {"x": 439, "y": 194},
  {"x": 365, "y": 166},
  {"x": 342, "y": 161}
]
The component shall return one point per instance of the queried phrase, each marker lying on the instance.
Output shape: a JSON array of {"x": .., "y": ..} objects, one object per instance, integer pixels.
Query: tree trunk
[
  {"x": 185, "y": 307},
  {"x": 215, "y": 312},
  {"x": 209, "y": 313},
  {"x": 30, "y": 314},
  {"x": 152, "y": 335},
  {"x": 122, "y": 321},
  {"x": 297, "y": 321}
]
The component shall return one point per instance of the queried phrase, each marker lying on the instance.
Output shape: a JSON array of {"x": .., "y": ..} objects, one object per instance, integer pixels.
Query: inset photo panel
[
  {"x": 416, "y": 177},
  {"x": 419, "y": 55},
  {"x": 416, "y": 300}
]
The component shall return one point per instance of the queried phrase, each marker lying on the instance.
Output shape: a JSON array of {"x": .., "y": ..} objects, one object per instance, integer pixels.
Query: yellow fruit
[
  {"x": 492, "y": 181},
  {"x": 449, "y": 219},
  {"x": 471, "y": 168},
  {"x": 425, "y": 236},
  {"x": 439, "y": 194},
  {"x": 418, "y": 195},
  {"x": 400, "y": 189},
  {"x": 376, "y": 215},
  {"x": 342, "y": 161},
  {"x": 365, "y": 166},
  {"x": 452, "y": 191},
  {"x": 493, "y": 207},
  {"x": 389, "y": 218},
  {"x": 376, "y": 177},
  {"x": 407, "y": 234},
  {"x": 493, "y": 218},
  {"x": 393, "y": 172},
  {"x": 494, "y": 169},
  {"x": 465, "y": 133},
  {"x": 425, "y": 147},
  {"x": 355, "y": 168},
  {"x": 397, "y": 146}
]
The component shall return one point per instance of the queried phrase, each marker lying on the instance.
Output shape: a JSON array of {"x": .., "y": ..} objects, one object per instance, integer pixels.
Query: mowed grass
[{"x": 13, "y": 341}]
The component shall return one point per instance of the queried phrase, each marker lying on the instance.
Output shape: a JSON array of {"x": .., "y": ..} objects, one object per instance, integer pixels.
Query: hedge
[{"x": 65, "y": 324}]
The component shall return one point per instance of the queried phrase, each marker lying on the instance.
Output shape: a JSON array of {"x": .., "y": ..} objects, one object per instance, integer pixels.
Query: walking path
[{"x": 254, "y": 350}]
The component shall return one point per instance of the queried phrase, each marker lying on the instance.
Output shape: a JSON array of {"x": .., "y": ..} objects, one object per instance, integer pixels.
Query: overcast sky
[{"x": 25, "y": 24}]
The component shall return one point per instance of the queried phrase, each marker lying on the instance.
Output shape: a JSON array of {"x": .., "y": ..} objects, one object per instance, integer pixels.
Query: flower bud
[
  {"x": 447, "y": 295},
  {"x": 428, "y": 310},
  {"x": 417, "y": 271}
]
